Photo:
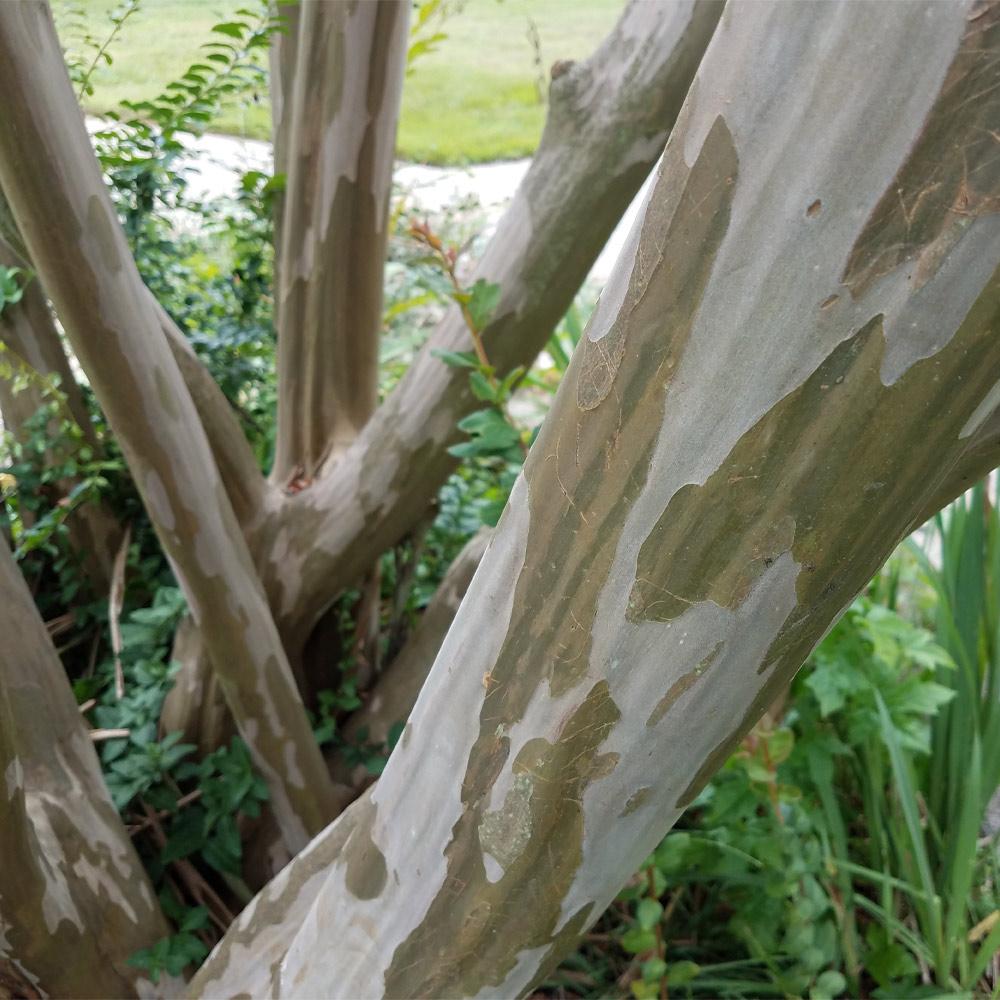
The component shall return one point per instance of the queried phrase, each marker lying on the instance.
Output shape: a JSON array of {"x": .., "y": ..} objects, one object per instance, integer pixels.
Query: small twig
[
  {"x": 115, "y": 601},
  {"x": 193, "y": 880},
  {"x": 184, "y": 800},
  {"x": 95, "y": 645},
  {"x": 97, "y": 735},
  {"x": 87, "y": 705},
  {"x": 118, "y": 24},
  {"x": 61, "y": 623},
  {"x": 448, "y": 258}
]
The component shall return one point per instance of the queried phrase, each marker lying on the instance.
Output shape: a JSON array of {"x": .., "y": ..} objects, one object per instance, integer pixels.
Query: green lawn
[{"x": 473, "y": 99}]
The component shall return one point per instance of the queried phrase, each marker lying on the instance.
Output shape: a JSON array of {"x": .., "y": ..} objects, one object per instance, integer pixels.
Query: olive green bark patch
[
  {"x": 713, "y": 542},
  {"x": 951, "y": 175},
  {"x": 846, "y": 524},
  {"x": 464, "y": 943},
  {"x": 365, "y": 874},
  {"x": 636, "y": 801},
  {"x": 683, "y": 684}
]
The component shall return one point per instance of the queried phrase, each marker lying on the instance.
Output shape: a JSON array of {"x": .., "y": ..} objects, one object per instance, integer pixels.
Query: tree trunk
[
  {"x": 75, "y": 901},
  {"x": 58, "y": 199},
  {"x": 609, "y": 118},
  {"x": 341, "y": 137},
  {"x": 778, "y": 377}
]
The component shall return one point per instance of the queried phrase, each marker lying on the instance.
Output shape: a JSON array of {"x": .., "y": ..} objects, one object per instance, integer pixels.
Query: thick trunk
[
  {"x": 60, "y": 204},
  {"x": 75, "y": 901},
  {"x": 799, "y": 332},
  {"x": 335, "y": 143},
  {"x": 609, "y": 118}
]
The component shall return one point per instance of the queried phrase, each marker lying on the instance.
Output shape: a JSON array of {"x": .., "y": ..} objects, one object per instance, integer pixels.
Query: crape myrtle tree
[{"x": 794, "y": 362}]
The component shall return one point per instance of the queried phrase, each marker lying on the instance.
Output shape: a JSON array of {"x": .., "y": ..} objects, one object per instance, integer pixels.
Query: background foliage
[{"x": 487, "y": 76}]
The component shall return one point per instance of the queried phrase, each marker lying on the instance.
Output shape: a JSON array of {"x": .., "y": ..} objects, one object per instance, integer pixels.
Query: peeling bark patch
[
  {"x": 365, "y": 874},
  {"x": 506, "y": 832},
  {"x": 766, "y": 495},
  {"x": 951, "y": 175},
  {"x": 248, "y": 959},
  {"x": 460, "y": 948},
  {"x": 842, "y": 529},
  {"x": 814, "y": 209},
  {"x": 636, "y": 801},
  {"x": 576, "y": 504},
  {"x": 682, "y": 685},
  {"x": 601, "y": 359}
]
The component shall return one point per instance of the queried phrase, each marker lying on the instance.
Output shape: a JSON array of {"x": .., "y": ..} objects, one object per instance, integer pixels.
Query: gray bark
[
  {"x": 740, "y": 441},
  {"x": 75, "y": 901},
  {"x": 61, "y": 207},
  {"x": 336, "y": 145}
]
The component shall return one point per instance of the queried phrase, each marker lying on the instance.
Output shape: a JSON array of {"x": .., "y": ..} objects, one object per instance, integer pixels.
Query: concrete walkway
[{"x": 217, "y": 161}]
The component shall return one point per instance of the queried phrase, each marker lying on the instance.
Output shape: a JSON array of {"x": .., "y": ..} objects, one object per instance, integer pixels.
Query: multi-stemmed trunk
[
  {"x": 781, "y": 374},
  {"x": 794, "y": 361}
]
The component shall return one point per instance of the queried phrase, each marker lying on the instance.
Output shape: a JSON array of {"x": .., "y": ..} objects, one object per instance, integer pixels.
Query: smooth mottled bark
[
  {"x": 608, "y": 121},
  {"x": 75, "y": 901},
  {"x": 58, "y": 199},
  {"x": 336, "y": 145},
  {"x": 609, "y": 117},
  {"x": 798, "y": 335}
]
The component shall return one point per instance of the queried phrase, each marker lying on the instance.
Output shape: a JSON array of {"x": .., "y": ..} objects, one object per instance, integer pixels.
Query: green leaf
[
  {"x": 828, "y": 985},
  {"x": 490, "y": 434},
  {"x": 643, "y": 990},
  {"x": 653, "y": 970},
  {"x": 482, "y": 388},
  {"x": 457, "y": 359},
  {"x": 195, "y": 919},
  {"x": 484, "y": 298},
  {"x": 234, "y": 29}
]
